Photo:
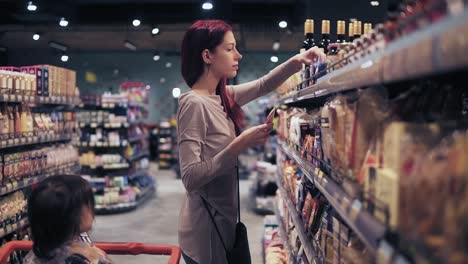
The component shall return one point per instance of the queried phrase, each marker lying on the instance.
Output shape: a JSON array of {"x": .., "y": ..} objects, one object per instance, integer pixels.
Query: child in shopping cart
[{"x": 59, "y": 209}]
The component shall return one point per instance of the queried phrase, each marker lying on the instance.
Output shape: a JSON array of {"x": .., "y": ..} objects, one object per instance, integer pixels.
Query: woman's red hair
[{"x": 208, "y": 34}]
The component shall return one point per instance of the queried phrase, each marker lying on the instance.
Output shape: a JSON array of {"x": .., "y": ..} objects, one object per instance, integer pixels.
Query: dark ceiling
[{"x": 97, "y": 25}]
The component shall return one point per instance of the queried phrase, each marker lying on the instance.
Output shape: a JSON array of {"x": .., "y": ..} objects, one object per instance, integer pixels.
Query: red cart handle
[{"x": 110, "y": 248}]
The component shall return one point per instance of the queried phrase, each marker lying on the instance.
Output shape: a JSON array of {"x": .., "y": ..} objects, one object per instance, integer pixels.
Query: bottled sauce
[
  {"x": 11, "y": 122},
  {"x": 309, "y": 42},
  {"x": 325, "y": 36},
  {"x": 340, "y": 30},
  {"x": 4, "y": 123},
  {"x": 18, "y": 131}
]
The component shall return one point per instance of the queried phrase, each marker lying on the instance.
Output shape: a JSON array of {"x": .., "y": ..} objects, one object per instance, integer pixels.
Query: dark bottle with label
[
  {"x": 351, "y": 31},
  {"x": 325, "y": 36},
  {"x": 340, "y": 31},
  {"x": 308, "y": 43},
  {"x": 357, "y": 29}
]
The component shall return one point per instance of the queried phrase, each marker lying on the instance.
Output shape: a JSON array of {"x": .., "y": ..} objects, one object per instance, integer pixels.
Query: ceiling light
[
  {"x": 155, "y": 31},
  {"x": 207, "y": 5},
  {"x": 63, "y": 22},
  {"x": 274, "y": 59},
  {"x": 32, "y": 6},
  {"x": 136, "y": 22},
  {"x": 283, "y": 24},
  {"x": 64, "y": 57},
  {"x": 156, "y": 57},
  {"x": 58, "y": 46},
  {"x": 276, "y": 45},
  {"x": 374, "y": 3},
  {"x": 162, "y": 80},
  {"x": 36, "y": 36},
  {"x": 176, "y": 92},
  {"x": 129, "y": 45},
  {"x": 168, "y": 64}
]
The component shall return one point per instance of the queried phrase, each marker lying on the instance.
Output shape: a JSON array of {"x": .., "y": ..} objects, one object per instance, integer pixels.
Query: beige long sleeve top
[{"x": 208, "y": 169}]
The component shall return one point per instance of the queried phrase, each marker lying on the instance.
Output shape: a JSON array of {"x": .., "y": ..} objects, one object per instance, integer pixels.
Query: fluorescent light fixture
[
  {"x": 31, "y": 6},
  {"x": 374, "y": 3},
  {"x": 283, "y": 24},
  {"x": 274, "y": 59},
  {"x": 276, "y": 45},
  {"x": 63, "y": 22},
  {"x": 64, "y": 57},
  {"x": 57, "y": 45},
  {"x": 129, "y": 45},
  {"x": 36, "y": 36},
  {"x": 176, "y": 92},
  {"x": 155, "y": 31},
  {"x": 207, "y": 5},
  {"x": 136, "y": 22}
]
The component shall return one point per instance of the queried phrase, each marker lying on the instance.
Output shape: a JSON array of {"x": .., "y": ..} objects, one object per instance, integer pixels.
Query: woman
[{"x": 210, "y": 137}]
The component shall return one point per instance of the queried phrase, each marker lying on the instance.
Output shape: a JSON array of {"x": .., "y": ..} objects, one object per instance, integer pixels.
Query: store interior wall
[{"x": 99, "y": 72}]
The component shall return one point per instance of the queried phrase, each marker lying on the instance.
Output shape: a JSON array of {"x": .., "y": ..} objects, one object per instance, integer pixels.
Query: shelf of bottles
[
  {"x": 367, "y": 137},
  {"x": 114, "y": 147},
  {"x": 400, "y": 49},
  {"x": 37, "y": 124}
]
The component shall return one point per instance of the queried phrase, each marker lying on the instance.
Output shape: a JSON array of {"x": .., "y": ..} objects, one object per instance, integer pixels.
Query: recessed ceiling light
[
  {"x": 374, "y": 3},
  {"x": 283, "y": 24},
  {"x": 32, "y": 6},
  {"x": 64, "y": 57},
  {"x": 36, "y": 36},
  {"x": 168, "y": 64},
  {"x": 136, "y": 22},
  {"x": 156, "y": 57},
  {"x": 207, "y": 5},
  {"x": 63, "y": 22},
  {"x": 155, "y": 31},
  {"x": 162, "y": 80},
  {"x": 274, "y": 59},
  {"x": 176, "y": 92}
]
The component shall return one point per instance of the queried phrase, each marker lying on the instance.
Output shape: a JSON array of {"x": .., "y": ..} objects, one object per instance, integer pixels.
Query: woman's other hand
[{"x": 308, "y": 57}]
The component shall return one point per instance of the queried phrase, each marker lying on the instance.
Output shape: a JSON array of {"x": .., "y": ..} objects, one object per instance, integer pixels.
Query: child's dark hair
[{"x": 54, "y": 211}]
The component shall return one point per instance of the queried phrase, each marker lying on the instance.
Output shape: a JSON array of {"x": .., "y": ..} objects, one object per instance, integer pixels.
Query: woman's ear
[{"x": 206, "y": 55}]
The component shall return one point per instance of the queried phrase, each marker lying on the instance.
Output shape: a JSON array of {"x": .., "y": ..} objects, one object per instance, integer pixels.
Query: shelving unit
[
  {"x": 123, "y": 137},
  {"x": 11, "y": 228},
  {"x": 435, "y": 52}
]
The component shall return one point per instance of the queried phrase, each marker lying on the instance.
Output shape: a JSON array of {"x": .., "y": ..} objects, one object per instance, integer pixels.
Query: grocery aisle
[{"x": 156, "y": 221}]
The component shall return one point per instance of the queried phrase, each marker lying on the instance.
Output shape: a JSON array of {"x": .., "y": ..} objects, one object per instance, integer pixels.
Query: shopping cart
[{"x": 109, "y": 248}]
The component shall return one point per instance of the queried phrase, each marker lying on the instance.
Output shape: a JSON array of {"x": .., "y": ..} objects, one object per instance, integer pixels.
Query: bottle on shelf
[
  {"x": 367, "y": 28},
  {"x": 340, "y": 30},
  {"x": 325, "y": 36},
  {"x": 357, "y": 29},
  {"x": 308, "y": 43},
  {"x": 351, "y": 32}
]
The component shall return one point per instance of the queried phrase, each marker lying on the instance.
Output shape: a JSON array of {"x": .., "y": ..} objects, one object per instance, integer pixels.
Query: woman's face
[
  {"x": 225, "y": 59},
  {"x": 87, "y": 218}
]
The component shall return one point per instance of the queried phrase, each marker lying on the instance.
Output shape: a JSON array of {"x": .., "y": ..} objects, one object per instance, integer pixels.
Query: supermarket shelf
[
  {"x": 311, "y": 254},
  {"x": 24, "y": 141},
  {"x": 55, "y": 100},
  {"x": 100, "y": 144},
  {"x": 116, "y": 166},
  {"x": 284, "y": 235},
  {"x": 137, "y": 138},
  {"x": 11, "y": 228},
  {"x": 123, "y": 207},
  {"x": 350, "y": 209},
  {"x": 138, "y": 156},
  {"x": 436, "y": 49},
  {"x": 18, "y": 185},
  {"x": 105, "y": 125}
]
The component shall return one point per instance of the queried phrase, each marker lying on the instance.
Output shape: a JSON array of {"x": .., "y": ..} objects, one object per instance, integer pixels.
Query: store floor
[{"x": 156, "y": 221}]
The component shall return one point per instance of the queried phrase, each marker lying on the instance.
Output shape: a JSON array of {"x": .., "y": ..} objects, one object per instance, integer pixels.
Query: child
[{"x": 59, "y": 210}]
